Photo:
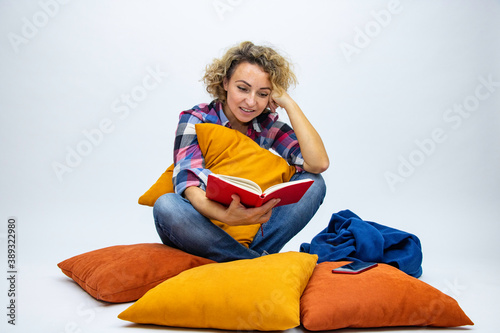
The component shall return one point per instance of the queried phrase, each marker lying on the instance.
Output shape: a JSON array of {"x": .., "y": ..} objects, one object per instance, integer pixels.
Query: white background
[{"x": 66, "y": 66}]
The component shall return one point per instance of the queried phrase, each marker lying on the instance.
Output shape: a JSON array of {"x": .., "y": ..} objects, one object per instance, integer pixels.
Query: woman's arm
[
  {"x": 311, "y": 146},
  {"x": 235, "y": 214}
]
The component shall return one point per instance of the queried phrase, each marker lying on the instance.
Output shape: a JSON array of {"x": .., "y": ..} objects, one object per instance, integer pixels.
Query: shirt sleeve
[
  {"x": 189, "y": 163},
  {"x": 285, "y": 143}
]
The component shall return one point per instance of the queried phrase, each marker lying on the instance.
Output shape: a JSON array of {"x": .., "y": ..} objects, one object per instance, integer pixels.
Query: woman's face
[{"x": 248, "y": 93}]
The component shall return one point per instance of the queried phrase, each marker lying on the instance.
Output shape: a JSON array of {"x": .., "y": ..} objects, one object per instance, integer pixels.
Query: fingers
[
  {"x": 268, "y": 210},
  {"x": 267, "y": 214},
  {"x": 240, "y": 215},
  {"x": 270, "y": 204},
  {"x": 273, "y": 105},
  {"x": 236, "y": 200}
]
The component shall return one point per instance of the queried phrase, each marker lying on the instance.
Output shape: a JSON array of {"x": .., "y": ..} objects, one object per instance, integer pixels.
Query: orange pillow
[
  {"x": 123, "y": 273},
  {"x": 380, "y": 297},
  {"x": 229, "y": 152}
]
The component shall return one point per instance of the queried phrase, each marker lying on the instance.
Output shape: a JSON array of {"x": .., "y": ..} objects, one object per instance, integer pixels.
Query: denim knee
[
  {"x": 320, "y": 186},
  {"x": 163, "y": 206},
  {"x": 166, "y": 209}
]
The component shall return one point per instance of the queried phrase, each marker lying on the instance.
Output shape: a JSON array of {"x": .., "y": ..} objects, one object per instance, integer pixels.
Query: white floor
[{"x": 48, "y": 301}]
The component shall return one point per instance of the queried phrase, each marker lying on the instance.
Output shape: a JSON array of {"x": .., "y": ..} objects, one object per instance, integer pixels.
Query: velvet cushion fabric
[
  {"x": 161, "y": 186},
  {"x": 252, "y": 294},
  {"x": 124, "y": 273},
  {"x": 380, "y": 297}
]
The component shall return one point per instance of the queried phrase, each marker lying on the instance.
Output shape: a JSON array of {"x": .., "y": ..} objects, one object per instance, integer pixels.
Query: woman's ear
[{"x": 225, "y": 83}]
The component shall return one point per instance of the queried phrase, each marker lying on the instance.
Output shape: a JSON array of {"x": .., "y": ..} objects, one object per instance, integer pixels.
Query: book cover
[{"x": 221, "y": 187}]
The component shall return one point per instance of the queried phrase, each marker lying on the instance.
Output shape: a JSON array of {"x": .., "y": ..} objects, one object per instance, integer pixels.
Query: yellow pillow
[
  {"x": 229, "y": 152},
  {"x": 163, "y": 185},
  {"x": 253, "y": 294}
]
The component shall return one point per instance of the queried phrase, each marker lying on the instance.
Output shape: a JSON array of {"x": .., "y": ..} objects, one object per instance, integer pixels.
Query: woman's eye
[
  {"x": 264, "y": 95},
  {"x": 242, "y": 88}
]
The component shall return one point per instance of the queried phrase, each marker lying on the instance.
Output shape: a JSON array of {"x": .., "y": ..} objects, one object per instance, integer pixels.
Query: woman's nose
[{"x": 250, "y": 100}]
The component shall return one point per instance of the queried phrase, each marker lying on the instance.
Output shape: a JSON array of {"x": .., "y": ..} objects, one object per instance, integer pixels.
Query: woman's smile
[{"x": 246, "y": 110}]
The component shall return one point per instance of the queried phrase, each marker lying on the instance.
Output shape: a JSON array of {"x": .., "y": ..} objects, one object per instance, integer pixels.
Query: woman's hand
[
  {"x": 279, "y": 99},
  {"x": 312, "y": 147},
  {"x": 235, "y": 214}
]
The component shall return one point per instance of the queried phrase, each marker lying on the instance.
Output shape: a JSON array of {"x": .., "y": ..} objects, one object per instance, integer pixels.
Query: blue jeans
[{"x": 181, "y": 226}]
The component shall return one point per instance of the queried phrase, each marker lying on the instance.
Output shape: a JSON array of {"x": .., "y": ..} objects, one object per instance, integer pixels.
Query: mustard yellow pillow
[
  {"x": 229, "y": 152},
  {"x": 163, "y": 185},
  {"x": 253, "y": 294}
]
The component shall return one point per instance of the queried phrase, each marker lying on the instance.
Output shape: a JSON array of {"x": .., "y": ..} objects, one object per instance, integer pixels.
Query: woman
[{"x": 248, "y": 83}]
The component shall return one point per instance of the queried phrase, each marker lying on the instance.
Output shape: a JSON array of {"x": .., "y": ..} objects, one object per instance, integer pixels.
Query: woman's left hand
[{"x": 278, "y": 99}]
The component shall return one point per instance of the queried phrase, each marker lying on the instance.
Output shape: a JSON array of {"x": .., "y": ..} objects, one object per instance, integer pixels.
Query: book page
[
  {"x": 276, "y": 187},
  {"x": 244, "y": 183}
]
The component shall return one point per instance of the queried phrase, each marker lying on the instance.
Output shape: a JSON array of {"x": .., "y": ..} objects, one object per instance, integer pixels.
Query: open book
[{"x": 221, "y": 187}]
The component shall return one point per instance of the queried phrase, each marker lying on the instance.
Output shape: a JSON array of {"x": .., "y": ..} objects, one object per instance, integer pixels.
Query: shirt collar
[{"x": 220, "y": 112}]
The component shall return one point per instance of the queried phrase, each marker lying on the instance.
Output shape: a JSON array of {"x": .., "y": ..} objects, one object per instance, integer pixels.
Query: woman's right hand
[{"x": 237, "y": 214}]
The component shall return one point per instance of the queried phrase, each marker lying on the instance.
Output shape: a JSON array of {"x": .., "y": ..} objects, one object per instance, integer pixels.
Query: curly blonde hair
[{"x": 278, "y": 68}]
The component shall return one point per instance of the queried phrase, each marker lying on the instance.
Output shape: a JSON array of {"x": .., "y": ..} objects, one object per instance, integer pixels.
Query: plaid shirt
[{"x": 189, "y": 162}]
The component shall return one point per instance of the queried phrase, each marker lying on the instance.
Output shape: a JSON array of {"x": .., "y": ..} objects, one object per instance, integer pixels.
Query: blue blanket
[{"x": 348, "y": 237}]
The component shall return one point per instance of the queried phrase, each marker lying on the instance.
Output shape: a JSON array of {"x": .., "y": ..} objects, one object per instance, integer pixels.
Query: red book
[{"x": 221, "y": 187}]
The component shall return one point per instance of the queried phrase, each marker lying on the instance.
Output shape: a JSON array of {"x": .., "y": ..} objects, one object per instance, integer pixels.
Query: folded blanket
[{"x": 348, "y": 237}]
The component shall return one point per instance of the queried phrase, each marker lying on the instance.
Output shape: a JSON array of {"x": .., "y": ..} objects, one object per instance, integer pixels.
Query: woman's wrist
[{"x": 291, "y": 107}]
